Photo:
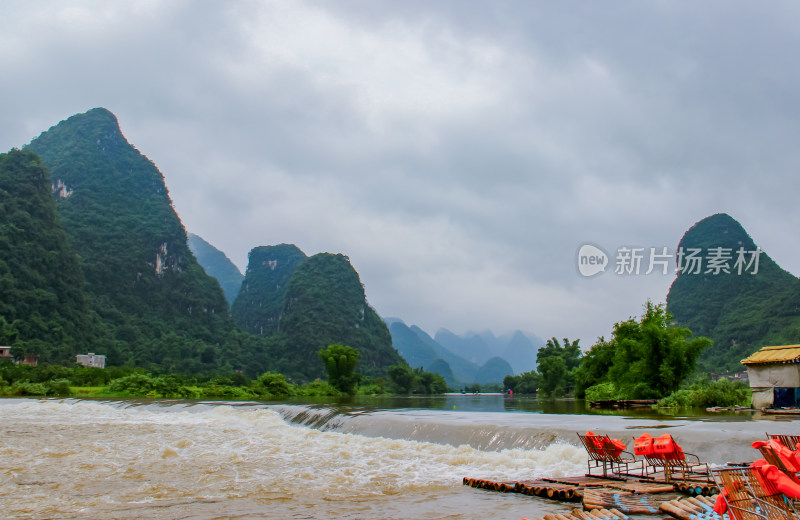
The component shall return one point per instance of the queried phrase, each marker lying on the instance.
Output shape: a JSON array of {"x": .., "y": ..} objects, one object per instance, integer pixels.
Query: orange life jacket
[
  {"x": 777, "y": 478},
  {"x": 643, "y": 445},
  {"x": 593, "y": 443}
]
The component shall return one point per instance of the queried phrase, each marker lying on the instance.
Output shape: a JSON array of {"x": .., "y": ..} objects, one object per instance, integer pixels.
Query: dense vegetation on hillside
[
  {"x": 325, "y": 304},
  {"x": 42, "y": 307},
  {"x": 155, "y": 304},
  {"x": 258, "y": 305},
  {"x": 217, "y": 265},
  {"x": 739, "y": 312}
]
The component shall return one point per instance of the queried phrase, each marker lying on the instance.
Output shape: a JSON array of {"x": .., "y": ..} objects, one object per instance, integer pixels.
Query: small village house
[
  {"x": 774, "y": 374},
  {"x": 29, "y": 359},
  {"x": 92, "y": 360}
]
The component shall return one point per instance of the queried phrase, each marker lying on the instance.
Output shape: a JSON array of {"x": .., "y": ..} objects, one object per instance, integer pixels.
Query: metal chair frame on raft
[
  {"x": 749, "y": 497},
  {"x": 773, "y": 457},
  {"x": 686, "y": 464},
  {"x": 603, "y": 453},
  {"x": 790, "y": 441}
]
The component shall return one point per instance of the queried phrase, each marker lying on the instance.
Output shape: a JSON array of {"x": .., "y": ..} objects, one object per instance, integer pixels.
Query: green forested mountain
[
  {"x": 42, "y": 307},
  {"x": 156, "y": 305},
  {"x": 258, "y": 305},
  {"x": 215, "y": 263},
  {"x": 325, "y": 304},
  {"x": 738, "y": 310},
  {"x": 97, "y": 260}
]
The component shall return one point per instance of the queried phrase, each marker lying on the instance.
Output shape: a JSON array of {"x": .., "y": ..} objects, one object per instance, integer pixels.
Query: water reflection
[{"x": 490, "y": 402}]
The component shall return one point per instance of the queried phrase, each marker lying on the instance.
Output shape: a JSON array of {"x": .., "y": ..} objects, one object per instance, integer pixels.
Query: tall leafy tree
[
  {"x": 594, "y": 366},
  {"x": 557, "y": 365},
  {"x": 651, "y": 356},
  {"x": 525, "y": 383},
  {"x": 340, "y": 362}
]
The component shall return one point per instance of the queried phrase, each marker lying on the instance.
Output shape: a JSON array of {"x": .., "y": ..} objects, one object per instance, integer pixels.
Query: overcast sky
[{"x": 458, "y": 152}]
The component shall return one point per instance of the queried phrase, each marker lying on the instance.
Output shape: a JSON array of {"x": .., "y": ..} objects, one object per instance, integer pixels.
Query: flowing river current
[{"x": 83, "y": 459}]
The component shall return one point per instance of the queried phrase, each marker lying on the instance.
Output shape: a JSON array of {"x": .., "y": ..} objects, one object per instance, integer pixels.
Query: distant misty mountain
[
  {"x": 471, "y": 358},
  {"x": 472, "y": 347},
  {"x": 517, "y": 348},
  {"x": 217, "y": 264}
]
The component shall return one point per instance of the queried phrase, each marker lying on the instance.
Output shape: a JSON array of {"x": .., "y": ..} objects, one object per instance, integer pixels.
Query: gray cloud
[{"x": 458, "y": 153}]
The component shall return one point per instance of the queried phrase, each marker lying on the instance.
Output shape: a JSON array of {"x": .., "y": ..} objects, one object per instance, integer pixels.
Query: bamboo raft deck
[
  {"x": 691, "y": 508},
  {"x": 597, "y": 514},
  {"x": 685, "y": 500}
]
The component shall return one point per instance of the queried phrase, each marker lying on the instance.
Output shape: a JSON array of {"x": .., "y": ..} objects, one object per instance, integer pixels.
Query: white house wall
[
  {"x": 769, "y": 376},
  {"x": 761, "y": 397}
]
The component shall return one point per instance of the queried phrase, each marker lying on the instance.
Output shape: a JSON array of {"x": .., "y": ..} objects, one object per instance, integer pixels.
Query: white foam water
[{"x": 85, "y": 459}]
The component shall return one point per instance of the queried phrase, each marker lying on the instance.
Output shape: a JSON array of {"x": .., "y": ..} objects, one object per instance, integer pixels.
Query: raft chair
[
  {"x": 745, "y": 494},
  {"x": 790, "y": 441},
  {"x": 783, "y": 458},
  {"x": 609, "y": 454},
  {"x": 663, "y": 453}
]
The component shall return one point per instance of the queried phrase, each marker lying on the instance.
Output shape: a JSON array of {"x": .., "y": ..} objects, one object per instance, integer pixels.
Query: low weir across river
[{"x": 356, "y": 459}]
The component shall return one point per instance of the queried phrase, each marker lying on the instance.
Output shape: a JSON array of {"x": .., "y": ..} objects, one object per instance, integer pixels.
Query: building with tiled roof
[{"x": 774, "y": 374}]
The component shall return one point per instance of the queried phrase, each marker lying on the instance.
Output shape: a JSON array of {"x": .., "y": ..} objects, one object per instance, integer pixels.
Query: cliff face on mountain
[{"x": 733, "y": 293}]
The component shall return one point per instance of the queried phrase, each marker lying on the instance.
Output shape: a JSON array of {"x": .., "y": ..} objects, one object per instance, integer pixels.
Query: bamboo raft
[
  {"x": 626, "y": 501},
  {"x": 539, "y": 488},
  {"x": 596, "y": 514},
  {"x": 692, "y": 508},
  {"x": 684, "y": 500}
]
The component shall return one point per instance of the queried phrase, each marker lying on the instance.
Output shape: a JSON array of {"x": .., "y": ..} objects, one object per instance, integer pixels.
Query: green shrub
[
  {"x": 58, "y": 387},
  {"x": 319, "y": 388},
  {"x": 272, "y": 384},
  {"x": 28, "y": 388},
  {"x": 601, "y": 392},
  {"x": 134, "y": 384},
  {"x": 706, "y": 394}
]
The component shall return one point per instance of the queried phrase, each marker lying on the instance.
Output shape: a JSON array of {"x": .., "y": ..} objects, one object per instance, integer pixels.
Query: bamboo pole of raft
[
  {"x": 613, "y": 512},
  {"x": 673, "y": 510},
  {"x": 707, "y": 503},
  {"x": 698, "y": 502},
  {"x": 691, "y": 509},
  {"x": 584, "y": 515},
  {"x": 706, "y": 500}
]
